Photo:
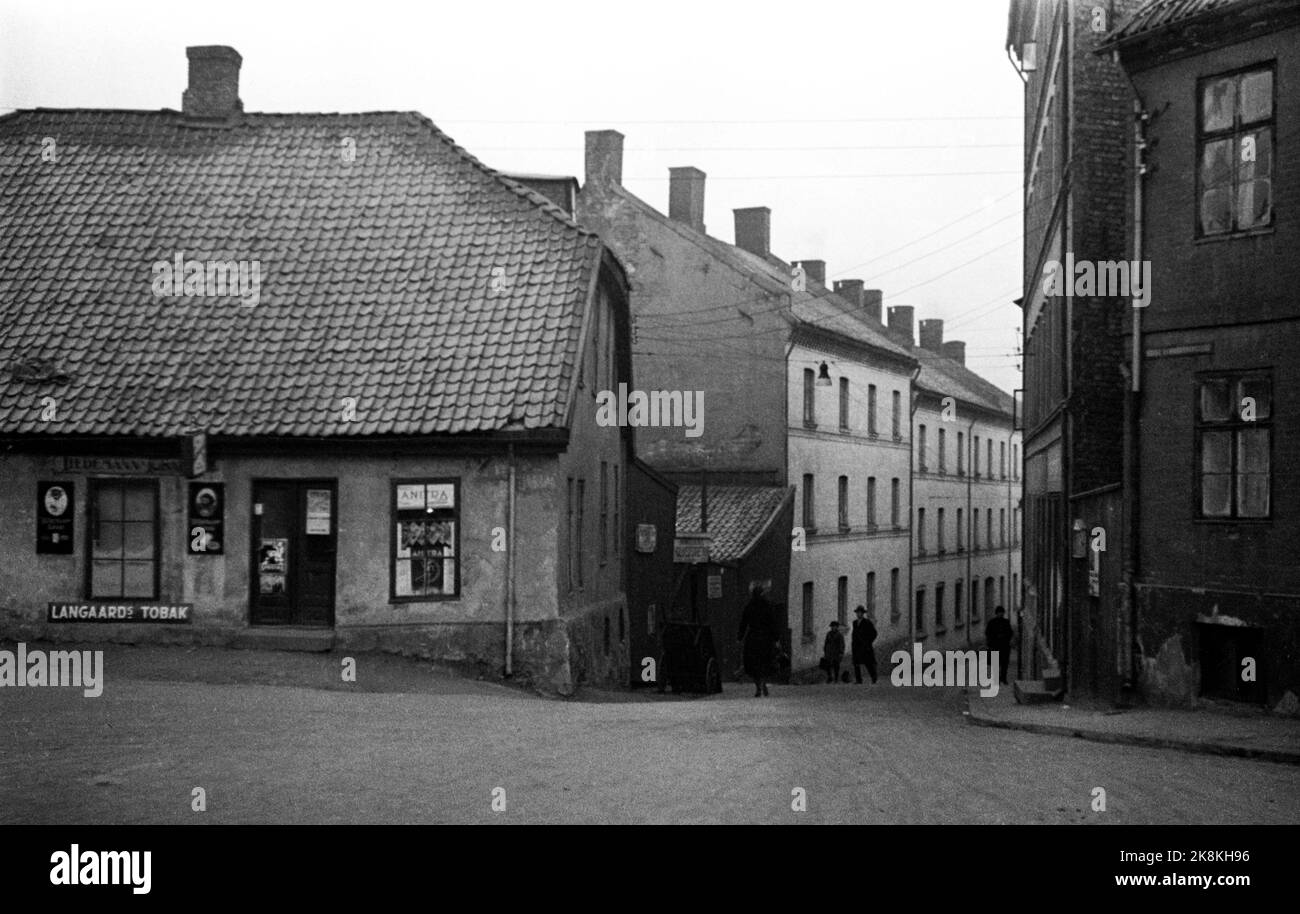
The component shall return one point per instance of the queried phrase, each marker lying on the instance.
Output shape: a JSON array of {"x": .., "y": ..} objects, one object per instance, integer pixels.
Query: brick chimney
[
  {"x": 686, "y": 196},
  {"x": 754, "y": 230},
  {"x": 955, "y": 350},
  {"x": 900, "y": 322},
  {"x": 872, "y": 300},
  {"x": 932, "y": 335},
  {"x": 816, "y": 270},
  {"x": 214, "y": 82},
  {"x": 850, "y": 290},
  {"x": 604, "y": 157}
]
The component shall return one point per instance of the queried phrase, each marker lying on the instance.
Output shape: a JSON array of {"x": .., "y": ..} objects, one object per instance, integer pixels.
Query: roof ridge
[{"x": 527, "y": 193}]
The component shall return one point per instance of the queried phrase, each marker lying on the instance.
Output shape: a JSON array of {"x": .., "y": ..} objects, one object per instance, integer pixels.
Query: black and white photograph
[{"x": 694, "y": 413}]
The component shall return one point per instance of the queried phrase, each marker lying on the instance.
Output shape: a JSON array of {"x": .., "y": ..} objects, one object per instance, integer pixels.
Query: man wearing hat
[
  {"x": 834, "y": 652},
  {"x": 864, "y": 637}
]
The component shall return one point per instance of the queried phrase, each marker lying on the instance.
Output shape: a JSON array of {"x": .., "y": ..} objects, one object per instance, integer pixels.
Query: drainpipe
[
  {"x": 1009, "y": 529},
  {"x": 970, "y": 525},
  {"x": 1132, "y": 409},
  {"x": 510, "y": 565},
  {"x": 911, "y": 502}
]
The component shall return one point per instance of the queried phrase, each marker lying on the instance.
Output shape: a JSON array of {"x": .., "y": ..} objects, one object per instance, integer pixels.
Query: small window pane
[
  {"x": 1256, "y": 96},
  {"x": 1216, "y": 495},
  {"x": 138, "y": 542},
  {"x": 1217, "y": 103},
  {"x": 138, "y": 579},
  {"x": 108, "y": 503},
  {"x": 1260, "y": 391},
  {"x": 1216, "y": 164},
  {"x": 1215, "y": 454},
  {"x": 1252, "y": 451},
  {"x": 1216, "y": 211},
  {"x": 108, "y": 579},
  {"x": 108, "y": 541},
  {"x": 1254, "y": 204},
  {"x": 139, "y": 503},
  {"x": 1252, "y": 495},
  {"x": 1215, "y": 406},
  {"x": 1255, "y": 154}
]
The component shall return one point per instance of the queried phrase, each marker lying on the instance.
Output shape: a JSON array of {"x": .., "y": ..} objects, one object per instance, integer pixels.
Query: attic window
[{"x": 35, "y": 370}]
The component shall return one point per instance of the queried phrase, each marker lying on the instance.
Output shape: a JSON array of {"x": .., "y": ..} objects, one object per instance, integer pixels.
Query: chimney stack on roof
[
  {"x": 955, "y": 350},
  {"x": 604, "y": 157},
  {"x": 754, "y": 230},
  {"x": 214, "y": 82},
  {"x": 851, "y": 290},
  {"x": 815, "y": 269},
  {"x": 932, "y": 335},
  {"x": 900, "y": 322},
  {"x": 872, "y": 300},
  {"x": 686, "y": 196}
]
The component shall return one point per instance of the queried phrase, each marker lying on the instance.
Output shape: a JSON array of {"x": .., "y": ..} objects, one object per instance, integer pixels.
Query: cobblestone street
[{"x": 273, "y": 738}]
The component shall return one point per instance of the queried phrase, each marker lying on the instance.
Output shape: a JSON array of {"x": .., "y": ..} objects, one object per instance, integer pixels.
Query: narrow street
[{"x": 275, "y": 739}]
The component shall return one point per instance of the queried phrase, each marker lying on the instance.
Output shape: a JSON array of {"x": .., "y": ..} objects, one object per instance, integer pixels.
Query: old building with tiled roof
[
  {"x": 313, "y": 371},
  {"x": 806, "y": 389}
]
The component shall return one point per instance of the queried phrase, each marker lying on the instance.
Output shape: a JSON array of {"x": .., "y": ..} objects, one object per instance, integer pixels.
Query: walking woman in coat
[{"x": 759, "y": 639}]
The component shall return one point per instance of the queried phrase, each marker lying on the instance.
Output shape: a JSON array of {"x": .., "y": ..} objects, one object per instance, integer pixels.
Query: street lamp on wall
[
  {"x": 823, "y": 376},
  {"x": 1079, "y": 539}
]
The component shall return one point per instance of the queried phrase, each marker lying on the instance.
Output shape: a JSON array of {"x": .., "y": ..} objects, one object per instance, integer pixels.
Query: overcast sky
[{"x": 884, "y": 134}]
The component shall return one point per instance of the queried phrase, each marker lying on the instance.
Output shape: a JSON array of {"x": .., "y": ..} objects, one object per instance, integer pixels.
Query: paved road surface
[{"x": 422, "y": 748}]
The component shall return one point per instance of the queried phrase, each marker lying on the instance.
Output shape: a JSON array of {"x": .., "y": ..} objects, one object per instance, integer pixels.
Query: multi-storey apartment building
[
  {"x": 803, "y": 389},
  {"x": 849, "y": 394},
  {"x": 966, "y": 493}
]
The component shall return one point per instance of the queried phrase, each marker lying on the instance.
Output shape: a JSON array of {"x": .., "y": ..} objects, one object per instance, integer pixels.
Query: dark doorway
[
  {"x": 294, "y": 540},
  {"x": 1223, "y": 648}
]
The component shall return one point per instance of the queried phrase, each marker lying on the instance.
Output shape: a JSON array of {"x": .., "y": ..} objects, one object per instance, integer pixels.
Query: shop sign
[
  {"x": 128, "y": 466},
  {"x": 174, "y": 613}
]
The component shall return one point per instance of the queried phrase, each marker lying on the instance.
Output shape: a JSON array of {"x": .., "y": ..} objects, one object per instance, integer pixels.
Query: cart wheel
[{"x": 712, "y": 678}]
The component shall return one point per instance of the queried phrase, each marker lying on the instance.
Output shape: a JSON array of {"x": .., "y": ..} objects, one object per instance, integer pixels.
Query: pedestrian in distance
[
  {"x": 833, "y": 652},
  {"x": 864, "y": 637},
  {"x": 758, "y": 638},
  {"x": 998, "y": 634}
]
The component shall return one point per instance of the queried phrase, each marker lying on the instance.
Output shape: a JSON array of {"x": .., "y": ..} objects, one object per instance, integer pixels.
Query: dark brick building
[
  {"x": 1217, "y": 435},
  {"x": 1078, "y": 116}
]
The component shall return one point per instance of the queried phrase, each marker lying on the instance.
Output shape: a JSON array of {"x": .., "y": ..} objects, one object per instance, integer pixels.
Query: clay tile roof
[
  {"x": 376, "y": 279},
  {"x": 737, "y": 516},
  {"x": 1160, "y": 14}
]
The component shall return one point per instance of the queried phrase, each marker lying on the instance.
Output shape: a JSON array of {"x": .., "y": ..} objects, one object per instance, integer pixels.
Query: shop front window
[
  {"x": 124, "y": 538},
  {"x": 426, "y": 539}
]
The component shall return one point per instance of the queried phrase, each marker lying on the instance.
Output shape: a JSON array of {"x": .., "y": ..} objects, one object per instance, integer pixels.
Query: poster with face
[
  {"x": 207, "y": 508},
  {"x": 272, "y": 565},
  {"x": 54, "y": 523}
]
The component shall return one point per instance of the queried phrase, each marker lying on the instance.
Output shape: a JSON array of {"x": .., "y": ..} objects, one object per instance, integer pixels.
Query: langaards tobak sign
[{"x": 120, "y": 612}]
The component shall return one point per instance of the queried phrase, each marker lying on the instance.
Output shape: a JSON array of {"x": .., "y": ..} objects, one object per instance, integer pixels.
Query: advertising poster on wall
[
  {"x": 207, "y": 508},
  {"x": 272, "y": 565},
  {"x": 54, "y": 523},
  {"x": 318, "y": 511}
]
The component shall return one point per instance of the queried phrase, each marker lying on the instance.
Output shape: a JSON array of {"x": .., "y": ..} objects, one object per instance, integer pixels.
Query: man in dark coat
[
  {"x": 998, "y": 634},
  {"x": 834, "y": 650},
  {"x": 864, "y": 636},
  {"x": 759, "y": 639}
]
